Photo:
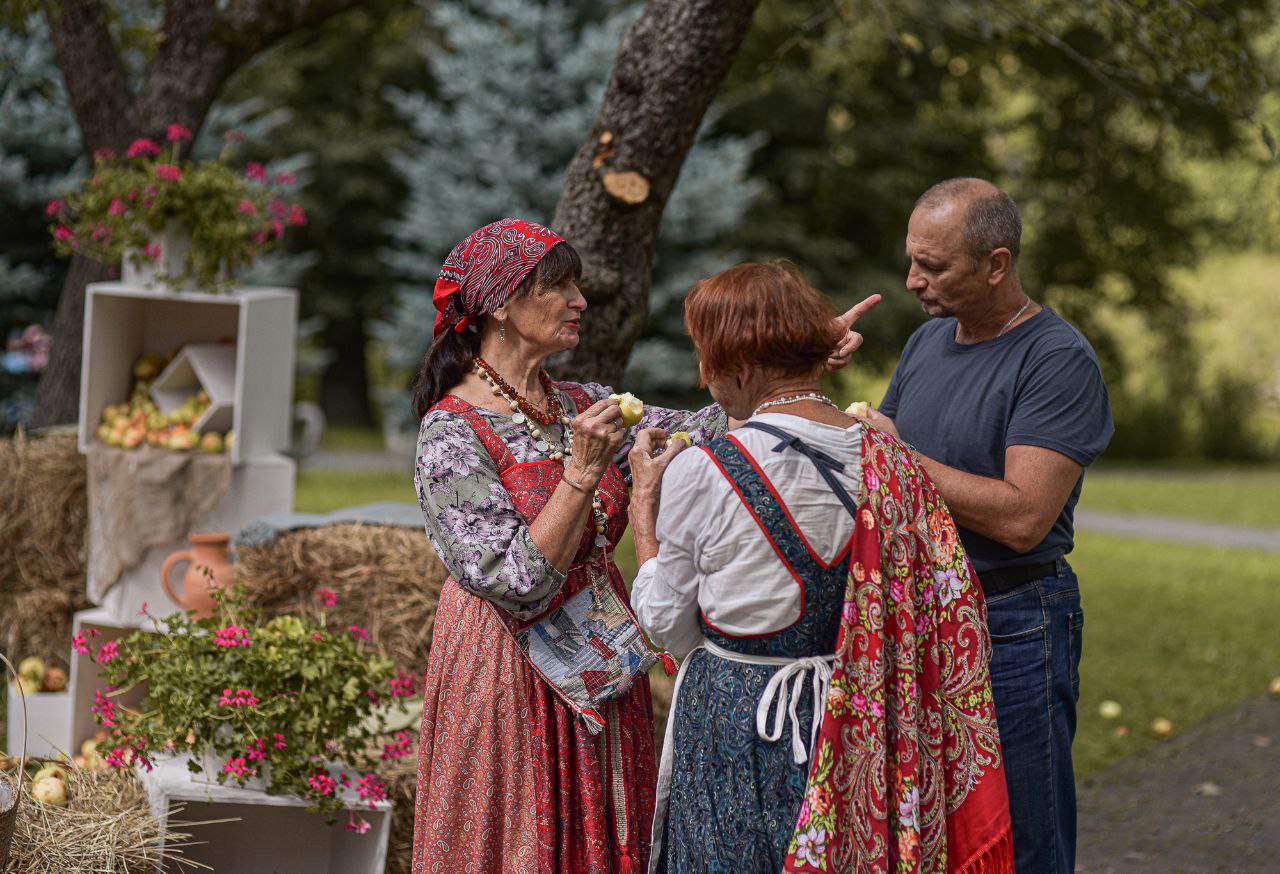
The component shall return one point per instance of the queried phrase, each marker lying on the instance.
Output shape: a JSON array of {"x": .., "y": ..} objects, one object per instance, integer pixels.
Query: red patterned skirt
[{"x": 509, "y": 782}]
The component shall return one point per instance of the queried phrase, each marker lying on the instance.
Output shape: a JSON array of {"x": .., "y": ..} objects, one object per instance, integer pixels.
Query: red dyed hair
[{"x": 760, "y": 316}]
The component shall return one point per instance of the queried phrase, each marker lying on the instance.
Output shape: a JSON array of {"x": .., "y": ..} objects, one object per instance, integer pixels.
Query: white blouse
[{"x": 713, "y": 555}]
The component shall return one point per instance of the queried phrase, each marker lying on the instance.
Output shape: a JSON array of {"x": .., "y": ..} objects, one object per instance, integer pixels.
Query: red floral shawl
[{"x": 907, "y": 774}]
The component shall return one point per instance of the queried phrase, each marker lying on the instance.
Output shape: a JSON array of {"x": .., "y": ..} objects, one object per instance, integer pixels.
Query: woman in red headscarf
[{"x": 536, "y": 748}]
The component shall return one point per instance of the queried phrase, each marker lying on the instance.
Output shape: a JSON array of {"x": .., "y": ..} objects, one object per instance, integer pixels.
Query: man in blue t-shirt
[{"x": 1002, "y": 402}]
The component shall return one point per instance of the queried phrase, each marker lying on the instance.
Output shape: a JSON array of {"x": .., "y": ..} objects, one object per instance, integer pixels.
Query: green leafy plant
[
  {"x": 231, "y": 217},
  {"x": 288, "y": 701}
]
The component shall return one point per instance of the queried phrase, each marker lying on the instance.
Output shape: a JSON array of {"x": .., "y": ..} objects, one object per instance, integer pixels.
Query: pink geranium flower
[
  {"x": 63, "y": 234},
  {"x": 358, "y": 632},
  {"x": 285, "y": 179},
  {"x": 357, "y": 824},
  {"x": 323, "y": 783},
  {"x": 296, "y": 216},
  {"x": 255, "y": 171},
  {"x": 117, "y": 207},
  {"x": 143, "y": 148},
  {"x": 178, "y": 132},
  {"x": 168, "y": 172},
  {"x": 327, "y": 597},
  {"x": 238, "y": 699},
  {"x": 54, "y": 206},
  {"x": 103, "y": 155},
  {"x": 108, "y": 652},
  {"x": 247, "y": 207}
]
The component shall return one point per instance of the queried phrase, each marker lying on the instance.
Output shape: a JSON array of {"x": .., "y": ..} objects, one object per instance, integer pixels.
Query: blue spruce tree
[
  {"x": 39, "y": 157},
  {"x": 494, "y": 139}
]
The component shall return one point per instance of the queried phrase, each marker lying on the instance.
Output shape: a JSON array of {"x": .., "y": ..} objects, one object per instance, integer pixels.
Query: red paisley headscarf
[{"x": 486, "y": 268}]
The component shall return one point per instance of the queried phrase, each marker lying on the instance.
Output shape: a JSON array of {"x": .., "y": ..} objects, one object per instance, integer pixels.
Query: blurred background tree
[{"x": 39, "y": 155}]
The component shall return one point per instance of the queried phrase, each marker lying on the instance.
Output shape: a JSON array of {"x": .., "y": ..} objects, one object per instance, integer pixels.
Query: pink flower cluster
[
  {"x": 403, "y": 685},
  {"x": 256, "y": 751},
  {"x": 357, "y": 823},
  {"x": 239, "y": 698},
  {"x": 232, "y": 635},
  {"x": 240, "y": 768},
  {"x": 108, "y": 652},
  {"x": 80, "y": 641},
  {"x": 115, "y": 758},
  {"x": 152, "y": 251},
  {"x": 178, "y": 132},
  {"x": 399, "y": 748},
  {"x": 279, "y": 738},
  {"x": 104, "y": 708},
  {"x": 168, "y": 172},
  {"x": 326, "y": 597},
  {"x": 358, "y": 632},
  {"x": 323, "y": 783},
  {"x": 371, "y": 788},
  {"x": 143, "y": 148}
]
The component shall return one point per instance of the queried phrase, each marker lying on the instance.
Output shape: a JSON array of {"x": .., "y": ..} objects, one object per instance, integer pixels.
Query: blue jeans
[{"x": 1035, "y": 677}]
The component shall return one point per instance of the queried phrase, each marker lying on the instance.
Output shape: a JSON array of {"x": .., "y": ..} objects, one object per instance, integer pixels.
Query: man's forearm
[{"x": 991, "y": 507}]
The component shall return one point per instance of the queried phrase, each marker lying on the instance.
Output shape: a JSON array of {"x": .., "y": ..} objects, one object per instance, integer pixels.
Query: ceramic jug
[{"x": 208, "y": 551}]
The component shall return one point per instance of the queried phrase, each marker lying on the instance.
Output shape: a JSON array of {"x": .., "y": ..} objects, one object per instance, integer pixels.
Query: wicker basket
[{"x": 10, "y": 788}]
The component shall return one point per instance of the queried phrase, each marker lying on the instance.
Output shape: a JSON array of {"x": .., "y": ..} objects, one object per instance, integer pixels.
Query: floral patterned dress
[{"x": 508, "y": 779}]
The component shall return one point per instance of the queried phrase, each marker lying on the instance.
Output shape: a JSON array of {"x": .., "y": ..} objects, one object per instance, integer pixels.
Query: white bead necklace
[
  {"x": 791, "y": 399},
  {"x": 544, "y": 443}
]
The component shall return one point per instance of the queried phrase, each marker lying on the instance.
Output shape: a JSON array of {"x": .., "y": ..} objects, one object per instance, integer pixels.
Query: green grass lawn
[
  {"x": 319, "y": 491},
  {"x": 1175, "y": 631},
  {"x": 351, "y": 438},
  {"x": 1241, "y": 495}
]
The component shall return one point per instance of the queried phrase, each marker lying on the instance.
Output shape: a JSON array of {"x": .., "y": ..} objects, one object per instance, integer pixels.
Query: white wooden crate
[
  {"x": 123, "y": 322},
  {"x": 48, "y": 724},
  {"x": 273, "y": 834},
  {"x": 259, "y": 487}
]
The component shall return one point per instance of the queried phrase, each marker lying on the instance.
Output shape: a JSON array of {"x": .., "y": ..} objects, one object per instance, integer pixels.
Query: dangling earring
[{"x": 502, "y": 332}]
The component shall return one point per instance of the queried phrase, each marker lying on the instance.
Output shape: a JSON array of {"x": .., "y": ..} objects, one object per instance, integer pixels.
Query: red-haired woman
[
  {"x": 802, "y": 564},
  {"x": 536, "y": 749}
]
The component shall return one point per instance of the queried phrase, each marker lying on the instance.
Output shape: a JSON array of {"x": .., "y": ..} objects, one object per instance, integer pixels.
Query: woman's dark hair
[{"x": 450, "y": 355}]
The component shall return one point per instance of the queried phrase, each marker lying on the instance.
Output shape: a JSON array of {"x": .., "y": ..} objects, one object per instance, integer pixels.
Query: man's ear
[{"x": 1001, "y": 265}]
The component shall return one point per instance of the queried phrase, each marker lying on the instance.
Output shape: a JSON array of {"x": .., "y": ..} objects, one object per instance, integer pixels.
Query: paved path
[
  {"x": 1206, "y": 801},
  {"x": 1178, "y": 529}
]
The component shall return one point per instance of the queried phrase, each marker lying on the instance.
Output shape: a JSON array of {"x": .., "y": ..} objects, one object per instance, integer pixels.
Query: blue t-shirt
[{"x": 963, "y": 404}]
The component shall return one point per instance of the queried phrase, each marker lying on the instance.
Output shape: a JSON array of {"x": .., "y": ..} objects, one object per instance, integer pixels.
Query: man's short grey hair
[{"x": 991, "y": 218}]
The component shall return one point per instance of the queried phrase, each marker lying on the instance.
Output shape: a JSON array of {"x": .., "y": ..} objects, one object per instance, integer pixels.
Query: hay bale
[
  {"x": 106, "y": 828},
  {"x": 387, "y": 579},
  {"x": 43, "y": 526}
]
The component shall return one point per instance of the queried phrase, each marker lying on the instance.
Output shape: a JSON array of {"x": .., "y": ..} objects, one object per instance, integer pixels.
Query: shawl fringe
[{"x": 995, "y": 858}]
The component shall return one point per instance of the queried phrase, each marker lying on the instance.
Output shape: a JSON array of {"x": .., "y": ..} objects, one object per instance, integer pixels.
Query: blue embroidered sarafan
[{"x": 735, "y": 796}]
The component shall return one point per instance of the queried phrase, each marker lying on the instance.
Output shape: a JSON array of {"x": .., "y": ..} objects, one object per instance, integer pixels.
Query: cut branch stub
[{"x": 627, "y": 186}]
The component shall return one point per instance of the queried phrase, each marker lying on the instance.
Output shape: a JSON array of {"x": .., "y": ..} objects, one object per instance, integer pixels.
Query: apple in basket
[{"x": 55, "y": 680}]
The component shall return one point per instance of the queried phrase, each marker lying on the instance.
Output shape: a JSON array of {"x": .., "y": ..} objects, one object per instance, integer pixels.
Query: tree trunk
[
  {"x": 200, "y": 44},
  {"x": 344, "y": 388},
  {"x": 669, "y": 67},
  {"x": 58, "y": 392}
]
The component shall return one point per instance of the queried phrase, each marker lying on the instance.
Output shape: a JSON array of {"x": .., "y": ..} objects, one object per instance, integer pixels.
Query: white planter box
[
  {"x": 85, "y": 679},
  {"x": 259, "y": 487},
  {"x": 273, "y": 833},
  {"x": 48, "y": 724},
  {"x": 123, "y": 322}
]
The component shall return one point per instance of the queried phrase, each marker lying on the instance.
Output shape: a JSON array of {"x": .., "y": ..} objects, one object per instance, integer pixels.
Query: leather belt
[{"x": 995, "y": 582}]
